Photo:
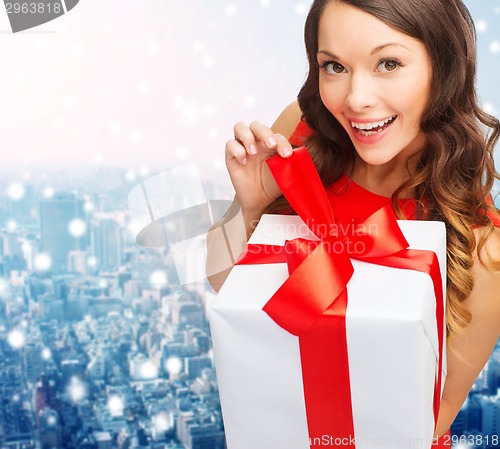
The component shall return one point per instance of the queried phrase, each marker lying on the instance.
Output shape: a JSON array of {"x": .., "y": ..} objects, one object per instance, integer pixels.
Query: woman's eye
[
  {"x": 386, "y": 65},
  {"x": 332, "y": 67},
  {"x": 389, "y": 65}
]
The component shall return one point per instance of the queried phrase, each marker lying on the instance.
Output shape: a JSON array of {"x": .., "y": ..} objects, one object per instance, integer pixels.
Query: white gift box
[{"x": 392, "y": 348}]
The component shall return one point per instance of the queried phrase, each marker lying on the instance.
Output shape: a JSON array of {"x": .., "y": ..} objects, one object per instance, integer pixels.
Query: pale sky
[{"x": 156, "y": 83}]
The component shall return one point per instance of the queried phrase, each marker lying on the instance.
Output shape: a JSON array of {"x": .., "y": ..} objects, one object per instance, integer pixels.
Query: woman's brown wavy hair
[{"x": 456, "y": 172}]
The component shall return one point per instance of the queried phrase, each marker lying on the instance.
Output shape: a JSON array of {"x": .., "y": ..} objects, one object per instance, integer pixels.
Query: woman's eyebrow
[
  {"x": 381, "y": 47},
  {"x": 375, "y": 50}
]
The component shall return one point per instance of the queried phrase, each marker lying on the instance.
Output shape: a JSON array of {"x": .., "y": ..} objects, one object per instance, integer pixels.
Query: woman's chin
[{"x": 373, "y": 159}]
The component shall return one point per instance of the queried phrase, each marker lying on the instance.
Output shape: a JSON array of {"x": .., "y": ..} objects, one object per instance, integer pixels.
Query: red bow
[{"x": 312, "y": 301}]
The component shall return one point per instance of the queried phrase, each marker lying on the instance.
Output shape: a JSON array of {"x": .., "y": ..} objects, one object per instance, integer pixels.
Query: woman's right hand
[{"x": 245, "y": 160}]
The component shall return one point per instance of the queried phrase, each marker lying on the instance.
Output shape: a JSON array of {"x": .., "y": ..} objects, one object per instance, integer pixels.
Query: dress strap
[
  {"x": 301, "y": 133},
  {"x": 494, "y": 217}
]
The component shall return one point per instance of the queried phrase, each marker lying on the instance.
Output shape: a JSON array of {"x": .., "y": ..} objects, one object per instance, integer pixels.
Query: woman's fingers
[
  {"x": 274, "y": 141},
  {"x": 244, "y": 135},
  {"x": 283, "y": 147},
  {"x": 235, "y": 150},
  {"x": 249, "y": 140}
]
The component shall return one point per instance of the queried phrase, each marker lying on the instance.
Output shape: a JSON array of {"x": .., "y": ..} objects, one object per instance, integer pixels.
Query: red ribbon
[{"x": 312, "y": 302}]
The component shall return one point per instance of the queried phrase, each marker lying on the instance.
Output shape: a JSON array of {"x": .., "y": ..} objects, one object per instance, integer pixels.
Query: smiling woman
[
  {"x": 390, "y": 116},
  {"x": 374, "y": 90}
]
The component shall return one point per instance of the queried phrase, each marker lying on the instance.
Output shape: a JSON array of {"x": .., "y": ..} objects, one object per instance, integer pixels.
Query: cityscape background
[{"x": 103, "y": 343}]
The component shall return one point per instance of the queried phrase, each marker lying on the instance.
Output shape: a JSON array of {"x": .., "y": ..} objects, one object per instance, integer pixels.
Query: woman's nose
[{"x": 361, "y": 93}]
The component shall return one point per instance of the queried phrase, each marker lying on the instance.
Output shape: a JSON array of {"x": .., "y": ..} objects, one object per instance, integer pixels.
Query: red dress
[{"x": 349, "y": 199}]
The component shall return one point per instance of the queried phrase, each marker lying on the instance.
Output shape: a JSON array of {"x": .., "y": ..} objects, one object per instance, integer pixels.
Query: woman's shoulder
[
  {"x": 487, "y": 238},
  {"x": 288, "y": 121},
  {"x": 494, "y": 216},
  {"x": 484, "y": 300}
]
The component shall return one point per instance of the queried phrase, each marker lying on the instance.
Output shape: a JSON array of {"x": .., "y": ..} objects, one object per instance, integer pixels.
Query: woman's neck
[
  {"x": 382, "y": 179},
  {"x": 385, "y": 179}
]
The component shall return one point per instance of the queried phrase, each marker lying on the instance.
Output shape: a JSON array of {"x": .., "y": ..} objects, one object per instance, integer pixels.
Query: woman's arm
[
  {"x": 472, "y": 349},
  {"x": 227, "y": 237}
]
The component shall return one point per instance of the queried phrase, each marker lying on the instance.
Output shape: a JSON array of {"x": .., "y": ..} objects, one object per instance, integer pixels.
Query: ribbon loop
[
  {"x": 301, "y": 176},
  {"x": 309, "y": 291},
  {"x": 300, "y": 183}
]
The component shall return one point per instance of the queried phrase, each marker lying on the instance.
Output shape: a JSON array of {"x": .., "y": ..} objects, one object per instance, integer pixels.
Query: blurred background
[
  {"x": 105, "y": 113},
  {"x": 152, "y": 83}
]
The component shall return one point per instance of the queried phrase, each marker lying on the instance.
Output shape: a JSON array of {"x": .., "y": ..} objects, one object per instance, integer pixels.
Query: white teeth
[{"x": 371, "y": 125}]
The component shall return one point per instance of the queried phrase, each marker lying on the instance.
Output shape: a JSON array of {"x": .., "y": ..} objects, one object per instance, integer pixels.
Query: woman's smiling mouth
[{"x": 371, "y": 128}]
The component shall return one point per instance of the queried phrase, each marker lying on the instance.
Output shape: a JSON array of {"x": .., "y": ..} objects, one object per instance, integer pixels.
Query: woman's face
[{"x": 375, "y": 80}]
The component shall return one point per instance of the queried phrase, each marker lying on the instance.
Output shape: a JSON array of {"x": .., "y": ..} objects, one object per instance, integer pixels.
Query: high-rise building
[
  {"x": 186, "y": 312},
  {"x": 195, "y": 365},
  {"x": 103, "y": 440},
  {"x": 124, "y": 439},
  {"x": 197, "y": 432},
  {"x": 15, "y": 414},
  {"x": 21, "y": 208},
  {"x": 62, "y": 229},
  {"x": 459, "y": 425},
  {"x": 76, "y": 306},
  {"x": 33, "y": 361},
  {"x": 106, "y": 241},
  {"x": 77, "y": 262},
  {"x": 72, "y": 368},
  {"x": 132, "y": 288},
  {"x": 494, "y": 374},
  {"x": 197, "y": 338},
  {"x": 50, "y": 429},
  {"x": 474, "y": 414},
  {"x": 11, "y": 244},
  {"x": 44, "y": 394},
  {"x": 491, "y": 415},
  {"x": 96, "y": 368},
  {"x": 12, "y": 254},
  {"x": 206, "y": 385},
  {"x": 9, "y": 264},
  {"x": 51, "y": 308},
  {"x": 123, "y": 278}
]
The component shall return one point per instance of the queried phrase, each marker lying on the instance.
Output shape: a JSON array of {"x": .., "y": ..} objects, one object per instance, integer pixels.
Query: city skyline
[
  {"x": 107, "y": 351},
  {"x": 113, "y": 351},
  {"x": 104, "y": 342}
]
